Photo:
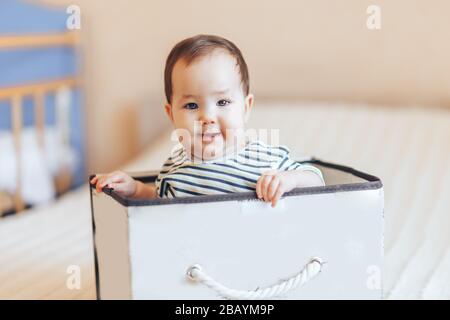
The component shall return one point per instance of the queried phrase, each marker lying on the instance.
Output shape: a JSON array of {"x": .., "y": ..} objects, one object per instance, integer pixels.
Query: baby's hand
[
  {"x": 273, "y": 184},
  {"x": 122, "y": 183}
]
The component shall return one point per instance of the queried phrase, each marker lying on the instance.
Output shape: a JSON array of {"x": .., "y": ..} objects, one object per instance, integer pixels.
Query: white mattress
[{"x": 407, "y": 147}]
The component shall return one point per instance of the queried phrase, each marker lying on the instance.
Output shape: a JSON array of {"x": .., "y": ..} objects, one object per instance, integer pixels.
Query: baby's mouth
[{"x": 209, "y": 136}]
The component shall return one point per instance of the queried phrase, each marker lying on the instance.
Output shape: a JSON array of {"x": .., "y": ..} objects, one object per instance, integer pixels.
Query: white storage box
[{"x": 238, "y": 247}]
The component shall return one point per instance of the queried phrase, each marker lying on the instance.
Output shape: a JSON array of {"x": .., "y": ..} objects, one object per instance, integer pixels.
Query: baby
[{"x": 209, "y": 103}]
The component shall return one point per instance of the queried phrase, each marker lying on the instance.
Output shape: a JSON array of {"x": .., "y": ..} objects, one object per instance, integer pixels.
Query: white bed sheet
[
  {"x": 39, "y": 167},
  {"x": 407, "y": 147}
]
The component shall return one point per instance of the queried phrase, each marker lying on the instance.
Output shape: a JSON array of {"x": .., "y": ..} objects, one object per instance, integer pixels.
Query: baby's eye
[
  {"x": 222, "y": 103},
  {"x": 191, "y": 106}
]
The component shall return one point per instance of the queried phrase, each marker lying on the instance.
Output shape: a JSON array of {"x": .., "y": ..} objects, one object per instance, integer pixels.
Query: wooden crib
[{"x": 38, "y": 91}]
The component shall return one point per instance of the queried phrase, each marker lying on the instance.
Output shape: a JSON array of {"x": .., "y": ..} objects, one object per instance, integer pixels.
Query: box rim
[{"x": 372, "y": 183}]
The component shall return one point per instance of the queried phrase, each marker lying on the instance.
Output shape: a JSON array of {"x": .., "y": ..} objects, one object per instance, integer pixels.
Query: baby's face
[{"x": 208, "y": 103}]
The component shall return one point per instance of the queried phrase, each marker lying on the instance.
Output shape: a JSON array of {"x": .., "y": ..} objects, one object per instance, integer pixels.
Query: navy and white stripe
[{"x": 180, "y": 177}]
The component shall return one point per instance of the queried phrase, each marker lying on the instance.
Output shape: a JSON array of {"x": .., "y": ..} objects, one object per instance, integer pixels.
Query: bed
[{"x": 406, "y": 147}]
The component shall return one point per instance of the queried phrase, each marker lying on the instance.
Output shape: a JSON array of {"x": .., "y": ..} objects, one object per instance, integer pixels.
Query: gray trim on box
[{"x": 372, "y": 183}]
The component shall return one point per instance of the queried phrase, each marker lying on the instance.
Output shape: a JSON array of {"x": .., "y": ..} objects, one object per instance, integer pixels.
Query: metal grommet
[
  {"x": 319, "y": 261},
  {"x": 191, "y": 269}
]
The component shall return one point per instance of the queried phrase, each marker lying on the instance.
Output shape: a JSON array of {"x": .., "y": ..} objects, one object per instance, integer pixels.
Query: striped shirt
[{"x": 180, "y": 177}]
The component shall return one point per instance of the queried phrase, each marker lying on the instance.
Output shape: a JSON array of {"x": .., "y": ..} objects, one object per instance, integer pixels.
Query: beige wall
[{"x": 309, "y": 49}]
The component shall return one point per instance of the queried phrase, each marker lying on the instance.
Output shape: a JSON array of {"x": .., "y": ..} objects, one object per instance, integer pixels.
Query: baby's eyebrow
[
  {"x": 187, "y": 95},
  {"x": 221, "y": 91}
]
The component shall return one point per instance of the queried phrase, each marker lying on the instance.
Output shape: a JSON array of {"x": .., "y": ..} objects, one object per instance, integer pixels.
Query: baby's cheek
[
  {"x": 233, "y": 130},
  {"x": 235, "y": 136}
]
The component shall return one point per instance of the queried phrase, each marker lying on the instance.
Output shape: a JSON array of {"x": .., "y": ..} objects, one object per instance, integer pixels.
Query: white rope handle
[{"x": 309, "y": 271}]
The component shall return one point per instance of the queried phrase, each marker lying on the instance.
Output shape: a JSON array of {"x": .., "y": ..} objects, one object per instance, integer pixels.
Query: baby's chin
[{"x": 208, "y": 150}]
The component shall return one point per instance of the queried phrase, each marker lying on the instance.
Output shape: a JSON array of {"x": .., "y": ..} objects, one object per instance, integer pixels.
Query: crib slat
[
  {"x": 17, "y": 130},
  {"x": 40, "y": 116},
  {"x": 31, "y": 89},
  {"x": 45, "y": 40}
]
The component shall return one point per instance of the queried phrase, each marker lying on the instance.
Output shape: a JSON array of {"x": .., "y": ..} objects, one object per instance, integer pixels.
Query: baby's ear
[
  {"x": 248, "y": 106},
  {"x": 168, "y": 109}
]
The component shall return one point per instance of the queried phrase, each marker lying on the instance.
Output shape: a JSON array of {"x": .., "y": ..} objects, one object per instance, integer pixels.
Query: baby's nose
[
  {"x": 206, "y": 121},
  {"x": 208, "y": 116}
]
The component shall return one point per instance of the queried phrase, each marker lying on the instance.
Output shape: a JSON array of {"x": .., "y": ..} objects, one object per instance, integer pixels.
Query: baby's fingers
[
  {"x": 272, "y": 188},
  {"x": 99, "y": 186},
  {"x": 258, "y": 188},
  {"x": 102, "y": 182},
  {"x": 112, "y": 178},
  {"x": 94, "y": 180},
  {"x": 277, "y": 196},
  {"x": 265, "y": 183},
  {"x": 99, "y": 182}
]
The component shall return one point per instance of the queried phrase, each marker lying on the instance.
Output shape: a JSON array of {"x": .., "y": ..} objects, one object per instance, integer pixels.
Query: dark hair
[{"x": 192, "y": 48}]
